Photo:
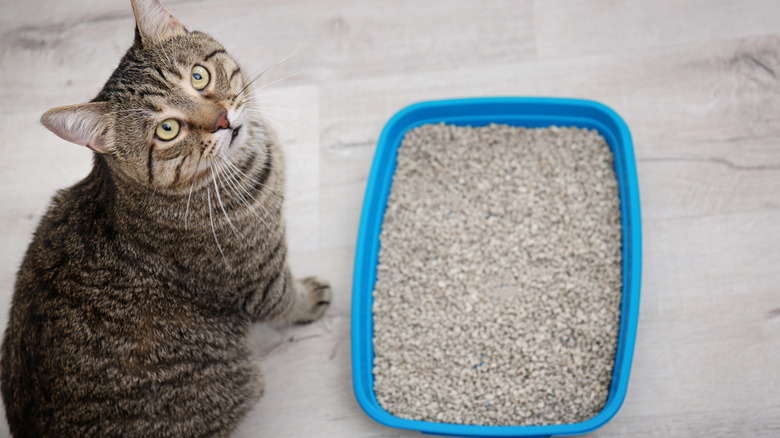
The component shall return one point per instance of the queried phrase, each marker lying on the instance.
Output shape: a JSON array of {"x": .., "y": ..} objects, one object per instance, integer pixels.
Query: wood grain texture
[{"x": 698, "y": 83}]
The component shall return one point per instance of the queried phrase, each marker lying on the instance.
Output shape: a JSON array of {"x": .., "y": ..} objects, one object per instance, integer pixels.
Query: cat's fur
[{"x": 133, "y": 304}]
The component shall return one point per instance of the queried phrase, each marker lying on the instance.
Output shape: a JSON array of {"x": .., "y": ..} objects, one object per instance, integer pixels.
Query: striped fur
[{"x": 133, "y": 304}]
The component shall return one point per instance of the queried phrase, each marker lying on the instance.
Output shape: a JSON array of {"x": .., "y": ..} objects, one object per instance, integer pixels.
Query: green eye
[
  {"x": 199, "y": 77},
  {"x": 168, "y": 129}
]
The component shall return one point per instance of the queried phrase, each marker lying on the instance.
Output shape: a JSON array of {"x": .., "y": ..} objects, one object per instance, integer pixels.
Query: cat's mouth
[{"x": 233, "y": 135}]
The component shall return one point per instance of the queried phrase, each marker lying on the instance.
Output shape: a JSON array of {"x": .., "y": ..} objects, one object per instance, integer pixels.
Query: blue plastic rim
[{"x": 516, "y": 111}]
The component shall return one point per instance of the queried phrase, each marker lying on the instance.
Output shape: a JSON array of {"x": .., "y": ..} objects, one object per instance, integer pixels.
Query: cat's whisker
[
  {"x": 192, "y": 185},
  {"x": 257, "y": 74},
  {"x": 245, "y": 176},
  {"x": 266, "y": 85},
  {"x": 266, "y": 100},
  {"x": 140, "y": 110},
  {"x": 240, "y": 194},
  {"x": 282, "y": 108},
  {"x": 299, "y": 119},
  {"x": 272, "y": 196},
  {"x": 262, "y": 108},
  {"x": 262, "y": 102},
  {"x": 240, "y": 178},
  {"x": 166, "y": 56},
  {"x": 230, "y": 184},
  {"x": 214, "y": 230},
  {"x": 254, "y": 76},
  {"x": 283, "y": 128},
  {"x": 276, "y": 109},
  {"x": 282, "y": 124},
  {"x": 272, "y": 82},
  {"x": 272, "y": 66},
  {"x": 273, "y": 113},
  {"x": 261, "y": 105},
  {"x": 242, "y": 174},
  {"x": 272, "y": 117},
  {"x": 238, "y": 234}
]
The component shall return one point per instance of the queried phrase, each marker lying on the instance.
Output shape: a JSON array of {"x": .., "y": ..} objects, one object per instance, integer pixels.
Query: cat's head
[{"x": 175, "y": 105}]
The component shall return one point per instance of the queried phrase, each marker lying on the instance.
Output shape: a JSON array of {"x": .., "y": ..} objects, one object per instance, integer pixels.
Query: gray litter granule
[{"x": 497, "y": 299}]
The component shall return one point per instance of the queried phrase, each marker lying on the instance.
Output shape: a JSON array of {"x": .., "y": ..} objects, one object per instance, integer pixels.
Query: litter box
[{"x": 516, "y": 111}]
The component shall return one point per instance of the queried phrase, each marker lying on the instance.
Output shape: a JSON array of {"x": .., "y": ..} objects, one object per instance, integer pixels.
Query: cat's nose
[{"x": 222, "y": 122}]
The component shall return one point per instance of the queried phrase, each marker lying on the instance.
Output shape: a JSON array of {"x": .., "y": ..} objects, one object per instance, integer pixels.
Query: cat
[{"x": 133, "y": 304}]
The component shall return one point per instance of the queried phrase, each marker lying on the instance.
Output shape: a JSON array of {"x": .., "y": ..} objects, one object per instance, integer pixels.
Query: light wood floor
[{"x": 697, "y": 81}]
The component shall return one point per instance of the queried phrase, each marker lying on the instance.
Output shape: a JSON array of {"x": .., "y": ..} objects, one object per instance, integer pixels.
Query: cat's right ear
[
  {"x": 154, "y": 24},
  {"x": 85, "y": 124}
]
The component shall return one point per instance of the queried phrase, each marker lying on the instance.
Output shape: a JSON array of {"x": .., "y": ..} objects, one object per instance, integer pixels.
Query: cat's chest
[{"x": 197, "y": 268}]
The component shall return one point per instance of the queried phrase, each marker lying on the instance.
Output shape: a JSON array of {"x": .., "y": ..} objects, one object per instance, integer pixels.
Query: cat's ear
[
  {"x": 85, "y": 124},
  {"x": 154, "y": 23}
]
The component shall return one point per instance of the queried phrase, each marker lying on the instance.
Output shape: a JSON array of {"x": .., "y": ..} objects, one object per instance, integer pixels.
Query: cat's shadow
[{"x": 269, "y": 339}]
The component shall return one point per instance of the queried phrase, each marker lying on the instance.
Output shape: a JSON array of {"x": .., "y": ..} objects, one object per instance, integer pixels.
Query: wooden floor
[{"x": 697, "y": 81}]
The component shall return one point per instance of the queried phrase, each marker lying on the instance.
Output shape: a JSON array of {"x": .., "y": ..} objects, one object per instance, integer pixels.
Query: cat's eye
[
  {"x": 199, "y": 77},
  {"x": 168, "y": 129}
]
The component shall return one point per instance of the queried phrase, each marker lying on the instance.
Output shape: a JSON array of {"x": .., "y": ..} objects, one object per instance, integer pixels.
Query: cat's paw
[{"x": 318, "y": 298}]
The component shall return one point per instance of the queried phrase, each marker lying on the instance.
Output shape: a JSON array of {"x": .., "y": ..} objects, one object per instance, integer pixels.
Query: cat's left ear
[
  {"x": 85, "y": 124},
  {"x": 154, "y": 23}
]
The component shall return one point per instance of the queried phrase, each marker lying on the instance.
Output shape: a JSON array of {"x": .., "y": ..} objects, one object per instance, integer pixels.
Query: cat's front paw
[{"x": 318, "y": 294}]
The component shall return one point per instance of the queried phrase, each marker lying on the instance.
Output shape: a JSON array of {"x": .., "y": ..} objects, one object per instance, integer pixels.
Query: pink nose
[{"x": 222, "y": 122}]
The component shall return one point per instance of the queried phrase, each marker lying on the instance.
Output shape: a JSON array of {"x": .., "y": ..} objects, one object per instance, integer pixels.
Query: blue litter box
[{"x": 516, "y": 111}]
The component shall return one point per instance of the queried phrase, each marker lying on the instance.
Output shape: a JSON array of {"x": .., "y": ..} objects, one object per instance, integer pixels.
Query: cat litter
[
  {"x": 497, "y": 299},
  {"x": 497, "y": 269}
]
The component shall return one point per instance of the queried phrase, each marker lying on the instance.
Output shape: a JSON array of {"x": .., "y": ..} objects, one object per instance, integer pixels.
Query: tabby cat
[{"x": 133, "y": 304}]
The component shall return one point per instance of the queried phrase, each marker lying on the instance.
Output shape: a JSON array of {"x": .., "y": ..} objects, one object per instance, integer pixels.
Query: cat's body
[{"x": 133, "y": 304}]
